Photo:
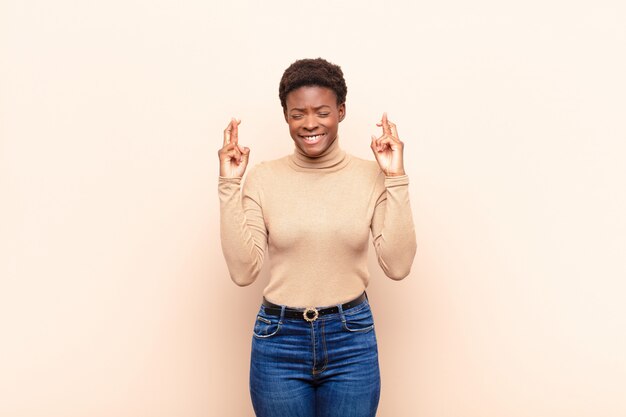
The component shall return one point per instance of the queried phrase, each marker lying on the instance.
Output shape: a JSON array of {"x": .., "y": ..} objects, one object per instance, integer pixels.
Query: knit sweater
[{"x": 313, "y": 216}]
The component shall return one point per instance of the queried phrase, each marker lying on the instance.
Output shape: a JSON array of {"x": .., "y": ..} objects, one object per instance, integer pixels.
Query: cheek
[{"x": 333, "y": 124}]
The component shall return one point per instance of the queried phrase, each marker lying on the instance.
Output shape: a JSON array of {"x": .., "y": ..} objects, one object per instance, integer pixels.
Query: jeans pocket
[
  {"x": 361, "y": 321},
  {"x": 266, "y": 326}
]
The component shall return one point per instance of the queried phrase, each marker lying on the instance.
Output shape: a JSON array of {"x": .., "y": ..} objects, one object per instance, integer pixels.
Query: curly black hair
[{"x": 310, "y": 72}]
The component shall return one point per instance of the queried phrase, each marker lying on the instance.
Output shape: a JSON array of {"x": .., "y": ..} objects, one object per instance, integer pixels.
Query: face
[{"x": 313, "y": 117}]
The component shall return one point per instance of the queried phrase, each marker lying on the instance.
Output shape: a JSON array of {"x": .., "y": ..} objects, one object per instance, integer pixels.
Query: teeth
[{"x": 312, "y": 138}]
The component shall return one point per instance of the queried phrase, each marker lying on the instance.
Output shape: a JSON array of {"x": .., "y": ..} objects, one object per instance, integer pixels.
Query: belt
[{"x": 309, "y": 314}]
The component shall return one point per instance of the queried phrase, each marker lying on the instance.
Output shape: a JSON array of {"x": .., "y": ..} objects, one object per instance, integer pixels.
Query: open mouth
[{"x": 312, "y": 139}]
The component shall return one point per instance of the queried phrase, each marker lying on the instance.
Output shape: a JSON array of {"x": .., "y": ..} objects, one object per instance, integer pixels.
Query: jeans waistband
[{"x": 310, "y": 313}]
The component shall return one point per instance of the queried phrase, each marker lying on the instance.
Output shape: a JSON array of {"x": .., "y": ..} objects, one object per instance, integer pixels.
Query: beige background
[{"x": 113, "y": 288}]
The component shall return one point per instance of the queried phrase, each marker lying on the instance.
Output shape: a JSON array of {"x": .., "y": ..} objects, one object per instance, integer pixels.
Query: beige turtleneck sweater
[{"x": 314, "y": 216}]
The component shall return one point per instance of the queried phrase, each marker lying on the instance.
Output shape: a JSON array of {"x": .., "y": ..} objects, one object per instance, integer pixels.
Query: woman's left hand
[{"x": 388, "y": 149}]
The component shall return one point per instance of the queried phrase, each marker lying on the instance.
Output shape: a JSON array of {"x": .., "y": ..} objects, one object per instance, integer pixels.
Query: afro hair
[{"x": 312, "y": 72}]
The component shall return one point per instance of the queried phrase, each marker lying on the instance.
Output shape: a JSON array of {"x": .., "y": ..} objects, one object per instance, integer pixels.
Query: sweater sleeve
[
  {"x": 392, "y": 227},
  {"x": 242, "y": 227}
]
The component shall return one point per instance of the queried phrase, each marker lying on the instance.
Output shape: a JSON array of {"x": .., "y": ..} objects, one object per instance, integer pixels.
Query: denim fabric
[{"x": 326, "y": 368}]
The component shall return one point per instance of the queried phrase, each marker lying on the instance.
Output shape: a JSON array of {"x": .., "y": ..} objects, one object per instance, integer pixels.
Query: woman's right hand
[{"x": 233, "y": 157}]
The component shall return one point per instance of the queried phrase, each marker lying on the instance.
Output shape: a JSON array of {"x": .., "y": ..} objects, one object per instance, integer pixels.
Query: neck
[{"x": 332, "y": 158}]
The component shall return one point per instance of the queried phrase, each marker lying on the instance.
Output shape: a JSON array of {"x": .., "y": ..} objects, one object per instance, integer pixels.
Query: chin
[
  {"x": 309, "y": 152},
  {"x": 314, "y": 151}
]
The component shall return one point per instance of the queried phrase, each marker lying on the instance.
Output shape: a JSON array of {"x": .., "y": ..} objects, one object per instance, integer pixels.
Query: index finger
[
  {"x": 394, "y": 130},
  {"x": 385, "y": 125},
  {"x": 231, "y": 133},
  {"x": 227, "y": 132},
  {"x": 234, "y": 134}
]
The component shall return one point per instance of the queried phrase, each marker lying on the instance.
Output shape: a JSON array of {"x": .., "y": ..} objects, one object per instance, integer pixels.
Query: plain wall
[{"x": 115, "y": 299}]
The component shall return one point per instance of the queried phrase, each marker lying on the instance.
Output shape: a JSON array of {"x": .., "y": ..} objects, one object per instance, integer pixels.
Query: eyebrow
[{"x": 314, "y": 108}]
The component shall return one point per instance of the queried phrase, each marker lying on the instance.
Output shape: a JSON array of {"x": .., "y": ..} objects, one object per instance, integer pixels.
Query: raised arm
[
  {"x": 392, "y": 224},
  {"x": 242, "y": 228}
]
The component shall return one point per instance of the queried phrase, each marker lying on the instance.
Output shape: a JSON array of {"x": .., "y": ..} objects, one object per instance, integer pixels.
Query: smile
[{"x": 312, "y": 138}]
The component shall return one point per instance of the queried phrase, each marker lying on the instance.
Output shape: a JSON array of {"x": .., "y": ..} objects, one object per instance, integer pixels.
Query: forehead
[{"x": 311, "y": 97}]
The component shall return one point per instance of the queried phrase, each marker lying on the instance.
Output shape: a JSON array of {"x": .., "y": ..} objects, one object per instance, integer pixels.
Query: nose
[{"x": 310, "y": 122}]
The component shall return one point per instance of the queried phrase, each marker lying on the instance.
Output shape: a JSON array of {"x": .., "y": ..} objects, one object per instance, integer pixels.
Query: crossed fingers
[
  {"x": 389, "y": 137},
  {"x": 231, "y": 140},
  {"x": 231, "y": 133}
]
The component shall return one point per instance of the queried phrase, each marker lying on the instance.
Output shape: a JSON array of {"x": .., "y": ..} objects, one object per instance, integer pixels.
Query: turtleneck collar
[{"x": 333, "y": 159}]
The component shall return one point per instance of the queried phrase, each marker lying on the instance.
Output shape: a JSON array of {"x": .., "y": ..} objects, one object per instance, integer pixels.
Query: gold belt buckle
[{"x": 308, "y": 311}]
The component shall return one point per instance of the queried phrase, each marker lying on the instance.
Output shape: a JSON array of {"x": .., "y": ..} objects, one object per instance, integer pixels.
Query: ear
[
  {"x": 342, "y": 111},
  {"x": 285, "y": 115}
]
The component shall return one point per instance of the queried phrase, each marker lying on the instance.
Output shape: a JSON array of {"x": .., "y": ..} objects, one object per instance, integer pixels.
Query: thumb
[
  {"x": 374, "y": 146},
  {"x": 245, "y": 153}
]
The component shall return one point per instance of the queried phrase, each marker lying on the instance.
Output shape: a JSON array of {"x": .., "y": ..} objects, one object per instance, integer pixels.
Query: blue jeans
[{"x": 325, "y": 368}]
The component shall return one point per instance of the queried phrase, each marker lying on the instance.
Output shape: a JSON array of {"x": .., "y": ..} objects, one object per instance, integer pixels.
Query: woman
[{"x": 314, "y": 349}]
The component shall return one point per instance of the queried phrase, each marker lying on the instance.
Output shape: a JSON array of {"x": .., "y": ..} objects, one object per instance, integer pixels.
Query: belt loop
[
  {"x": 343, "y": 317},
  {"x": 282, "y": 314}
]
